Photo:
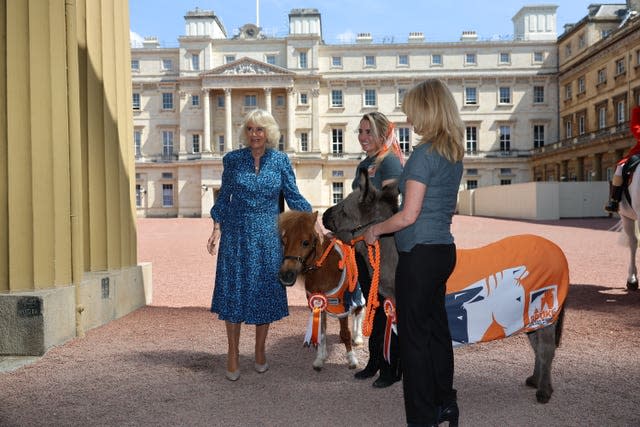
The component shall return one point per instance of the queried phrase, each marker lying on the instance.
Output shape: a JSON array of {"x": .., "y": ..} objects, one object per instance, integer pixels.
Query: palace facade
[
  {"x": 599, "y": 82},
  {"x": 188, "y": 103}
]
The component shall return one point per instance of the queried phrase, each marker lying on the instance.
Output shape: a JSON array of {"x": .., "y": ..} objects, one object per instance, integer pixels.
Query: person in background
[
  {"x": 617, "y": 183},
  {"x": 383, "y": 161},
  {"x": 427, "y": 254},
  {"x": 246, "y": 239}
]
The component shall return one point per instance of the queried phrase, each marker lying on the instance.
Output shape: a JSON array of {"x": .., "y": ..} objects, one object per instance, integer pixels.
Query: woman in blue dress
[{"x": 245, "y": 236}]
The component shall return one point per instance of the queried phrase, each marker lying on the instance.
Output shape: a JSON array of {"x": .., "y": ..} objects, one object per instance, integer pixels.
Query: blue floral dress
[{"x": 247, "y": 288}]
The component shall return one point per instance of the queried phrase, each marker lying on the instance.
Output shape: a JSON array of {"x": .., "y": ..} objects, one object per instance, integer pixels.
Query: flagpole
[{"x": 257, "y": 13}]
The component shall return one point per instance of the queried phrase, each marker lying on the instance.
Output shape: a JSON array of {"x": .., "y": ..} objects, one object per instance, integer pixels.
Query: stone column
[
  {"x": 206, "y": 127},
  {"x": 291, "y": 118},
  {"x": 314, "y": 138},
  {"x": 267, "y": 99},
  {"x": 228, "y": 131}
]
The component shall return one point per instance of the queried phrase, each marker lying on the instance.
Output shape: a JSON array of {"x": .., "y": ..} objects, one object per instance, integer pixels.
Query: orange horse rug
[{"x": 517, "y": 284}]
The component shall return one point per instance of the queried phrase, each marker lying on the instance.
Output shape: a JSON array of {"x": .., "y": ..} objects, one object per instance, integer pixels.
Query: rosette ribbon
[{"x": 317, "y": 303}]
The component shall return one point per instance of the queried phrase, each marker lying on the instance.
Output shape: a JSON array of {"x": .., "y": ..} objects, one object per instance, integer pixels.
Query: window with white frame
[
  {"x": 404, "y": 139},
  {"x": 281, "y": 143},
  {"x": 538, "y": 136},
  {"x": 504, "y": 58},
  {"x": 471, "y": 96},
  {"x": 471, "y": 139},
  {"x": 136, "y": 101},
  {"x": 336, "y": 98},
  {"x": 369, "y": 97},
  {"x": 337, "y": 192},
  {"x": 403, "y": 60},
  {"x": 567, "y": 50},
  {"x": 304, "y": 98},
  {"x": 505, "y": 182},
  {"x": 436, "y": 59},
  {"x": 304, "y": 141},
  {"x": 538, "y": 57},
  {"x": 337, "y": 141},
  {"x": 229, "y": 58},
  {"x": 369, "y": 61},
  {"x": 220, "y": 101},
  {"x": 620, "y": 112},
  {"x": 138, "y": 195},
  {"x": 195, "y": 100},
  {"x": 582, "y": 124},
  {"x": 270, "y": 59},
  {"x": 336, "y": 61},
  {"x": 602, "y": 117},
  {"x": 568, "y": 91},
  {"x": 221, "y": 143},
  {"x": 568, "y": 128},
  {"x": 581, "y": 85},
  {"x": 167, "y": 143},
  {"x": 470, "y": 59},
  {"x": 602, "y": 75},
  {"x": 400, "y": 97},
  {"x": 620, "y": 68},
  {"x": 195, "y": 143},
  {"x": 302, "y": 60},
  {"x": 135, "y": 65},
  {"x": 504, "y": 95},
  {"x": 505, "y": 138},
  {"x": 250, "y": 102},
  {"x": 280, "y": 101},
  {"x": 582, "y": 41},
  {"x": 167, "y": 64},
  {"x": 167, "y": 101},
  {"x": 538, "y": 94},
  {"x": 137, "y": 142},
  {"x": 167, "y": 195},
  {"x": 195, "y": 62},
  {"x": 472, "y": 184}
]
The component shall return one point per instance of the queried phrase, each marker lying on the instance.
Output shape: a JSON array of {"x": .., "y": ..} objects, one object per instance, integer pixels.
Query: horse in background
[
  {"x": 517, "y": 284},
  {"x": 629, "y": 213},
  {"x": 327, "y": 276}
]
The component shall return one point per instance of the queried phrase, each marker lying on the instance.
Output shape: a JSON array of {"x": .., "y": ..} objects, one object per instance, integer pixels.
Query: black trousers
[
  {"x": 425, "y": 341},
  {"x": 376, "y": 340}
]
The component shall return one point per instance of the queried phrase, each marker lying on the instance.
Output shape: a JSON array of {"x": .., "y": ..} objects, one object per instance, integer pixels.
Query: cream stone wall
[{"x": 300, "y": 98}]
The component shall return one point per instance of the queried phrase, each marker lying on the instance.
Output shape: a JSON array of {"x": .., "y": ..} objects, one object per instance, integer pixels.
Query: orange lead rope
[{"x": 372, "y": 302}]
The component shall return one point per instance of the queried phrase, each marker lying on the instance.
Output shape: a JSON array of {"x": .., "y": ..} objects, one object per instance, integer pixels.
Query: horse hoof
[
  {"x": 632, "y": 286},
  {"x": 531, "y": 382},
  {"x": 542, "y": 396}
]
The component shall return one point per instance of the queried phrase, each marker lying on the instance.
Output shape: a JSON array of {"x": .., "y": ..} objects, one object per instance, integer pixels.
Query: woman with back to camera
[
  {"x": 427, "y": 254},
  {"x": 384, "y": 164},
  {"x": 245, "y": 223}
]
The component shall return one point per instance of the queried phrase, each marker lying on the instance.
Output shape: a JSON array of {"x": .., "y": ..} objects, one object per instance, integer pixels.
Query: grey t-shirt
[
  {"x": 388, "y": 168},
  {"x": 442, "y": 178}
]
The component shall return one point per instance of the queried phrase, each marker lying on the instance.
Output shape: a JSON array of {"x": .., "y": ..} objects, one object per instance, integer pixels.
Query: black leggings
[{"x": 425, "y": 341}]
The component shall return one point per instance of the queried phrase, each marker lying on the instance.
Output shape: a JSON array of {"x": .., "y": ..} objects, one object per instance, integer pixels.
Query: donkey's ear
[{"x": 364, "y": 184}]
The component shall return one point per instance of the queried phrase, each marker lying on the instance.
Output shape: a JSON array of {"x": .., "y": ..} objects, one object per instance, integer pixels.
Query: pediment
[{"x": 248, "y": 67}]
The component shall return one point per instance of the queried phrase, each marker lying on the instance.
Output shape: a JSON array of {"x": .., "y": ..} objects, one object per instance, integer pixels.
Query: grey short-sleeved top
[
  {"x": 388, "y": 168},
  {"x": 442, "y": 178}
]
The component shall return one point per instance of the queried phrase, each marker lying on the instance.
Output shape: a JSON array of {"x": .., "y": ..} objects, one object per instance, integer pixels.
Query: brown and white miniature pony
[
  {"x": 327, "y": 274},
  {"x": 517, "y": 284}
]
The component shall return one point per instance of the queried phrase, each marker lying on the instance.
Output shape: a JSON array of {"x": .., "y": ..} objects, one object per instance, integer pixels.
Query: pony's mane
[{"x": 298, "y": 222}]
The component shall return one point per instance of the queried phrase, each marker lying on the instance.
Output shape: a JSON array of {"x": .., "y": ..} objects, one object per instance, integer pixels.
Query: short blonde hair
[
  {"x": 264, "y": 119},
  {"x": 433, "y": 112}
]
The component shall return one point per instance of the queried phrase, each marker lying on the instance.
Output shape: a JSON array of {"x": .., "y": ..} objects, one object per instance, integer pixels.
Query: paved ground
[{"x": 164, "y": 364}]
